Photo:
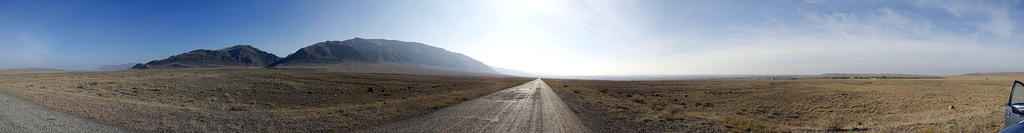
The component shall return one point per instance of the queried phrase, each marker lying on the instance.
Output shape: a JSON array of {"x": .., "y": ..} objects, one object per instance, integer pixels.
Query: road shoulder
[{"x": 17, "y": 115}]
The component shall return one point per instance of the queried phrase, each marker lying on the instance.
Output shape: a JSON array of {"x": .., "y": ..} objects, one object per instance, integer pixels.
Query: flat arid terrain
[
  {"x": 245, "y": 99},
  {"x": 967, "y": 103},
  {"x": 312, "y": 100}
]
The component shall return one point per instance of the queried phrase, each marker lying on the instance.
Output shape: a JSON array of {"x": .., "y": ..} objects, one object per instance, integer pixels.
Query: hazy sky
[{"x": 572, "y": 37}]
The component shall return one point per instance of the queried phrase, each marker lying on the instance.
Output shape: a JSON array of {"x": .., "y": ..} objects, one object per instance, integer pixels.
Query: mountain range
[
  {"x": 239, "y": 55},
  {"x": 356, "y": 54}
]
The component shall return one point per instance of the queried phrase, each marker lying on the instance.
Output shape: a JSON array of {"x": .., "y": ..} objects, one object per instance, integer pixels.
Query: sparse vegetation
[
  {"x": 245, "y": 99},
  {"x": 741, "y": 125},
  {"x": 800, "y": 105}
]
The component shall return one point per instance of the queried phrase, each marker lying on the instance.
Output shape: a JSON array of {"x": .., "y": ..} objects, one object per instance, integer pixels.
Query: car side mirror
[{"x": 1016, "y": 108}]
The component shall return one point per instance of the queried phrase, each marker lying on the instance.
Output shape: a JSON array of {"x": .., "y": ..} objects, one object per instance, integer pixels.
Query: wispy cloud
[
  {"x": 812, "y": 36},
  {"x": 881, "y": 41},
  {"x": 613, "y": 37},
  {"x": 995, "y": 15}
]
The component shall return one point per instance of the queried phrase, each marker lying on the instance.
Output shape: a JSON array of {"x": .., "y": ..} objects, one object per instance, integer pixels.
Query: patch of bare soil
[
  {"x": 246, "y": 99},
  {"x": 804, "y": 105}
]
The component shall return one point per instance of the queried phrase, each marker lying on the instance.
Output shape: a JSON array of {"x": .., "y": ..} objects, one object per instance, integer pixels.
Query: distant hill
[
  {"x": 1010, "y": 76},
  {"x": 115, "y": 67},
  {"x": 235, "y": 56},
  {"x": 875, "y": 76},
  {"x": 514, "y": 72},
  {"x": 992, "y": 73},
  {"x": 29, "y": 70},
  {"x": 380, "y": 51}
]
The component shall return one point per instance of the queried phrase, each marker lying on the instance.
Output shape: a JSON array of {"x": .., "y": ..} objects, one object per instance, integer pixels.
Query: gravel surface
[
  {"x": 18, "y": 116},
  {"x": 531, "y": 107}
]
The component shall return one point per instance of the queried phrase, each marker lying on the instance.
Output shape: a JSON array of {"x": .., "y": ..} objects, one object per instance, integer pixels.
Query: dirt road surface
[
  {"x": 18, "y": 116},
  {"x": 531, "y": 107}
]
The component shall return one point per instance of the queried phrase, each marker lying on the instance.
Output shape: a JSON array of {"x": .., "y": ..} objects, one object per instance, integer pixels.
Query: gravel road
[
  {"x": 531, "y": 107},
  {"x": 18, "y": 116}
]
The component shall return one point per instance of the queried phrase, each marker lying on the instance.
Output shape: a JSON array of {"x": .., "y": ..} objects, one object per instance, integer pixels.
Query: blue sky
[{"x": 569, "y": 37}]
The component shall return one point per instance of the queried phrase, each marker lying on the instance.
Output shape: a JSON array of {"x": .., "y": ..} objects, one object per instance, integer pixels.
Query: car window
[{"x": 1018, "y": 93}]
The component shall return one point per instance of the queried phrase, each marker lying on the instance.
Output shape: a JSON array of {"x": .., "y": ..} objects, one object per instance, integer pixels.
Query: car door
[{"x": 1014, "y": 112}]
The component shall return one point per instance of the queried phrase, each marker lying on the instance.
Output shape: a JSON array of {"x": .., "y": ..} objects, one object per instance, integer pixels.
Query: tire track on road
[{"x": 530, "y": 107}]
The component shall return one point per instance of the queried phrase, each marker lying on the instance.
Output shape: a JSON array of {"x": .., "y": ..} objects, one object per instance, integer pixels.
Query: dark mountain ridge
[
  {"x": 238, "y": 55},
  {"x": 360, "y": 50},
  {"x": 357, "y": 51}
]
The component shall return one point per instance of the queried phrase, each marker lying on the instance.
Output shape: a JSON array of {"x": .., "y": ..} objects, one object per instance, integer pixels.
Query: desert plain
[{"x": 310, "y": 100}]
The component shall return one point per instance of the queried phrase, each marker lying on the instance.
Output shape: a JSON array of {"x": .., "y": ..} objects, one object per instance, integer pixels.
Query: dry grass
[
  {"x": 806, "y": 105},
  {"x": 246, "y": 99}
]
